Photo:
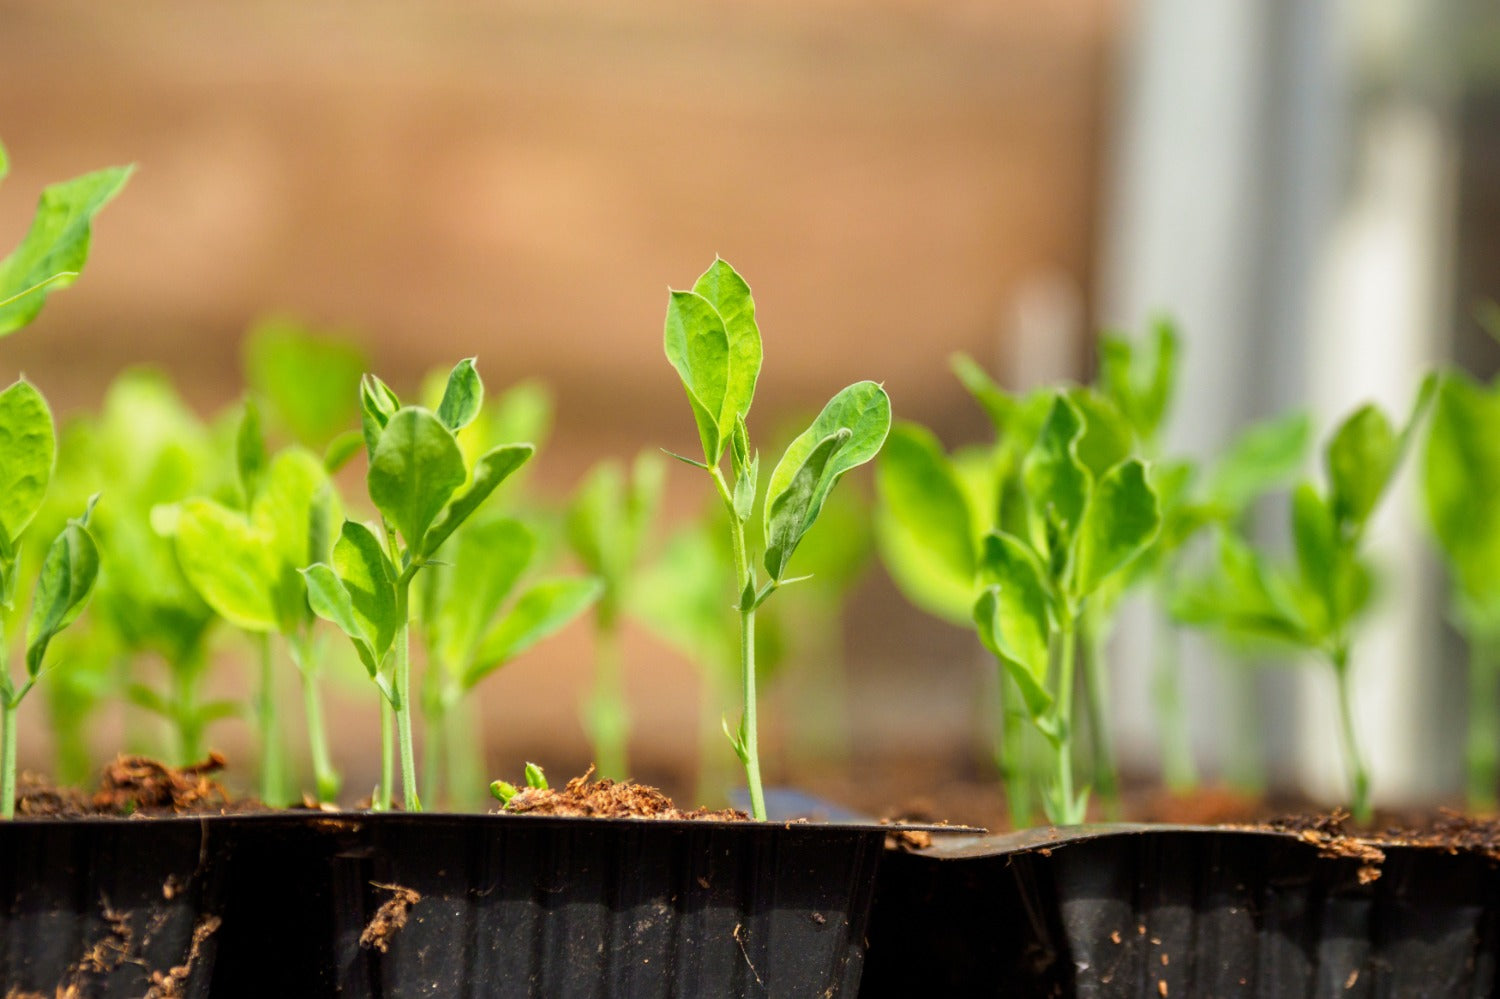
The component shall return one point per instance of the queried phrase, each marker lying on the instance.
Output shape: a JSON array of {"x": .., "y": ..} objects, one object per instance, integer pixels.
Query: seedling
[
  {"x": 1461, "y": 489},
  {"x": 474, "y": 622},
  {"x": 503, "y": 791},
  {"x": 307, "y": 386},
  {"x": 244, "y": 563},
  {"x": 607, "y": 527},
  {"x": 1316, "y": 606},
  {"x": 424, "y": 490},
  {"x": 713, "y": 342}
]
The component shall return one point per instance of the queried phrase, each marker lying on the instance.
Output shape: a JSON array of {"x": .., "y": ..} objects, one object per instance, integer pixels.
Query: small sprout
[
  {"x": 535, "y": 779},
  {"x": 503, "y": 791}
]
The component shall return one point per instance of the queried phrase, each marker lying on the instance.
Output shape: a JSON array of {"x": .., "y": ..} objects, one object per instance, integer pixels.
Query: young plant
[
  {"x": 712, "y": 341},
  {"x": 1316, "y": 606},
  {"x": 67, "y": 573},
  {"x": 473, "y": 627},
  {"x": 607, "y": 526},
  {"x": 244, "y": 563},
  {"x": 503, "y": 790},
  {"x": 307, "y": 386},
  {"x": 1461, "y": 490},
  {"x": 424, "y": 490}
]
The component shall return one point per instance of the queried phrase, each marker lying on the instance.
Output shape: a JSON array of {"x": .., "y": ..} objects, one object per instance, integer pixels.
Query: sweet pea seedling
[
  {"x": 1315, "y": 606},
  {"x": 424, "y": 490},
  {"x": 607, "y": 526},
  {"x": 244, "y": 563},
  {"x": 712, "y": 340}
]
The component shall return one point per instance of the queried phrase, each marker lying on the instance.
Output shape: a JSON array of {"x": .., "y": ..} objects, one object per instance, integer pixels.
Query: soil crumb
[
  {"x": 608, "y": 799},
  {"x": 173, "y": 983},
  {"x": 135, "y": 786},
  {"x": 389, "y": 918}
]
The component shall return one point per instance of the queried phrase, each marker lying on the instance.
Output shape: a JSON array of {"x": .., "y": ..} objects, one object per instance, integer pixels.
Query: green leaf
[
  {"x": 1361, "y": 460},
  {"x": 1108, "y": 438},
  {"x": 341, "y": 449},
  {"x": 697, "y": 345},
  {"x": 377, "y": 404},
  {"x": 924, "y": 524},
  {"x": 1000, "y": 406},
  {"x": 462, "y": 398},
  {"x": 488, "y": 557},
  {"x": 1057, "y": 484},
  {"x": 229, "y": 563},
  {"x": 331, "y": 601},
  {"x": 1011, "y": 618},
  {"x": 1461, "y": 487},
  {"x": 369, "y": 578},
  {"x": 1141, "y": 377},
  {"x": 541, "y": 611},
  {"x": 1315, "y": 535},
  {"x": 56, "y": 246},
  {"x": 308, "y": 381},
  {"x": 864, "y": 410},
  {"x": 67, "y": 578},
  {"x": 28, "y": 445},
  {"x": 295, "y": 512},
  {"x": 728, "y": 293},
  {"x": 1121, "y": 518},
  {"x": 787, "y": 514},
  {"x": 1262, "y": 457},
  {"x": 493, "y": 468},
  {"x": 415, "y": 469},
  {"x": 250, "y": 456}
]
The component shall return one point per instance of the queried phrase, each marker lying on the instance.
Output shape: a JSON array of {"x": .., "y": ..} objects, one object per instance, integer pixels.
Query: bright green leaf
[
  {"x": 723, "y": 288},
  {"x": 1121, "y": 518},
  {"x": 1315, "y": 535},
  {"x": 1056, "y": 482},
  {"x": 57, "y": 244},
  {"x": 924, "y": 524},
  {"x": 1262, "y": 457},
  {"x": 1461, "y": 487},
  {"x": 67, "y": 578},
  {"x": 369, "y": 578},
  {"x": 463, "y": 396},
  {"x": 308, "y": 381},
  {"x": 493, "y": 468},
  {"x": 488, "y": 557},
  {"x": 250, "y": 456},
  {"x": 415, "y": 469},
  {"x": 229, "y": 563},
  {"x": 377, "y": 404},
  {"x": 331, "y": 601},
  {"x": 542, "y": 610},
  {"x": 1361, "y": 460},
  {"x": 28, "y": 446},
  {"x": 1011, "y": 618},
  {"x": 1108, "y": 438},
  {"x": 697, "y": 345},
  {"x": 787, "y": 514}
]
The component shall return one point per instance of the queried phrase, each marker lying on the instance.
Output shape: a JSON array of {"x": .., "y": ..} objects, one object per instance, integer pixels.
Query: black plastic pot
[
  {"x": 537, "y": 906},
  {"x": 109, "y": 907},
  {"x": 1181, "y": 911}
]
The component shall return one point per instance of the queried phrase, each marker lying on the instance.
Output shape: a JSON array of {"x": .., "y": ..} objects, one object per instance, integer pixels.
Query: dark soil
[
  {"x": 135, "y": 786},
  {"x": 608, "y": 799}
]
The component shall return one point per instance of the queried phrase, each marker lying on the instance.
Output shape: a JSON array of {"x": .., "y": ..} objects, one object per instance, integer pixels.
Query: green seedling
[
  {"x": 243, "y": 561},
  {"x": 1461, "y": 490},
  {"x": 307, "y": 386},
  {"x": 424, "y": 490},
  {"x": 1315, "y": 606},
  {"x": 477, "y": 616},
  {"x": 608, "y": 524},
  {"x": 503, "y": 791},
  {"x": 712, "y": 341}
]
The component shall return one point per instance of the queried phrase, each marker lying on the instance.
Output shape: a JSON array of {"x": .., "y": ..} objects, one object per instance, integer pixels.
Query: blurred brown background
[{"x": 523, "y": 182}]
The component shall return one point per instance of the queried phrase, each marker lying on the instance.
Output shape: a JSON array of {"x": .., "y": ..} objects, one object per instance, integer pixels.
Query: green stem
[
  {"x": 1354, "y": 763},
  {"x": 7, "y": 756},
  {"x": 403, "y": 707},
  {"x": 382, "y": 802},
  {"x": 325, "y": 775},
  {"x": 1178, "y": 769},
  {"x": 1106, "y": 774},
  {"x": 185, "y": 714},
  {"x": 1482, "y": 748},
  {"x": 272, "y": 777},
  {"x": 1063, "y": 806},
  {"x": 604, "y": 713},
  {"x": 466, "y": 764},
  {"x": 1011, "y": 752},
  {"x": 434, "y": 730},
  {"x": 744, "y": 574}
]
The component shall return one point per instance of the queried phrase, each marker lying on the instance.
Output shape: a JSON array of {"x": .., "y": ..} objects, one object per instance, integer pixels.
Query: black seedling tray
[
  {"x": 1167, "y": 911},
  {"x": 109, "y": 908}
]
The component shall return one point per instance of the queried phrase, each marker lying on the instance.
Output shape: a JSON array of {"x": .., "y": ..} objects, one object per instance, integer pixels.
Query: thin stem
[
  {"x": 466, "y": 763},
  {"x": 604, "y": 714},
  {"x": 1106, "y": 775},
  {"x": 272, "y": 782},
  {"x": 382, "y": 802},
  {"x": 325, "y": 775},
  {"x": 1063, "y": 806},
  {"x": 1354, "y": 762},
  {"x": 749, "y": 740},
  {"x": 403, "y": 708},
  {"x": 1482, "y": 749},
  {"x": 1178, "y": 768},
  {"x": 185, "y": 712},
  {"x": 8, "y": 756}
]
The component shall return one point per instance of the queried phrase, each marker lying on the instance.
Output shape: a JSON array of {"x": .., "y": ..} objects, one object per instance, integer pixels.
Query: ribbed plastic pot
[
  {"x": 109, "y": 907},
  {"x": 1181, "y": 911},
  {"x": 546, "y": 907}
]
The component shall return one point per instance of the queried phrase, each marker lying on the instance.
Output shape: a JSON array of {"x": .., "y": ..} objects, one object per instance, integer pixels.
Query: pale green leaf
[
  {"x": 1361, "y": 460},
  {"x": 331, "y": 601},
  {"x": 1057, "y": 484},
  {"x": 1264, "y": 456},
  {"x": 1011, "y": 619},
  {"x": 924, "y": 524},
  {"x": 28, "y": 447},
  {"x": 493, "y": 468},
  {"x": 250, "y": 456},
  {"x": 787, "y": 514},
  {"x": 462, "y": 397},
  {"x": 723, "y": 288},
  {"x": 308, "y": 381},
  {"x": 229, "y": 563},
  {"x": 368, "y": 576},
  {"x": 1461, "y": 487},
  {"x": 67, "y": 578},
  {"x": 541, "y": 611},
  {"x": 1121, "y": 518},
  {"x": 377, "y": 404},
  {"x": 488, "y": 557},
  {"x": 697, "y": 345}
]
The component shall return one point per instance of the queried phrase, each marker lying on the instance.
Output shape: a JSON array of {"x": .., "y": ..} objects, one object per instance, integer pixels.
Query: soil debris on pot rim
[
  {"x": 136, "y": 786},
  {"x": 609, "y": 799},
  {"x": 390, "y": 918}
]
